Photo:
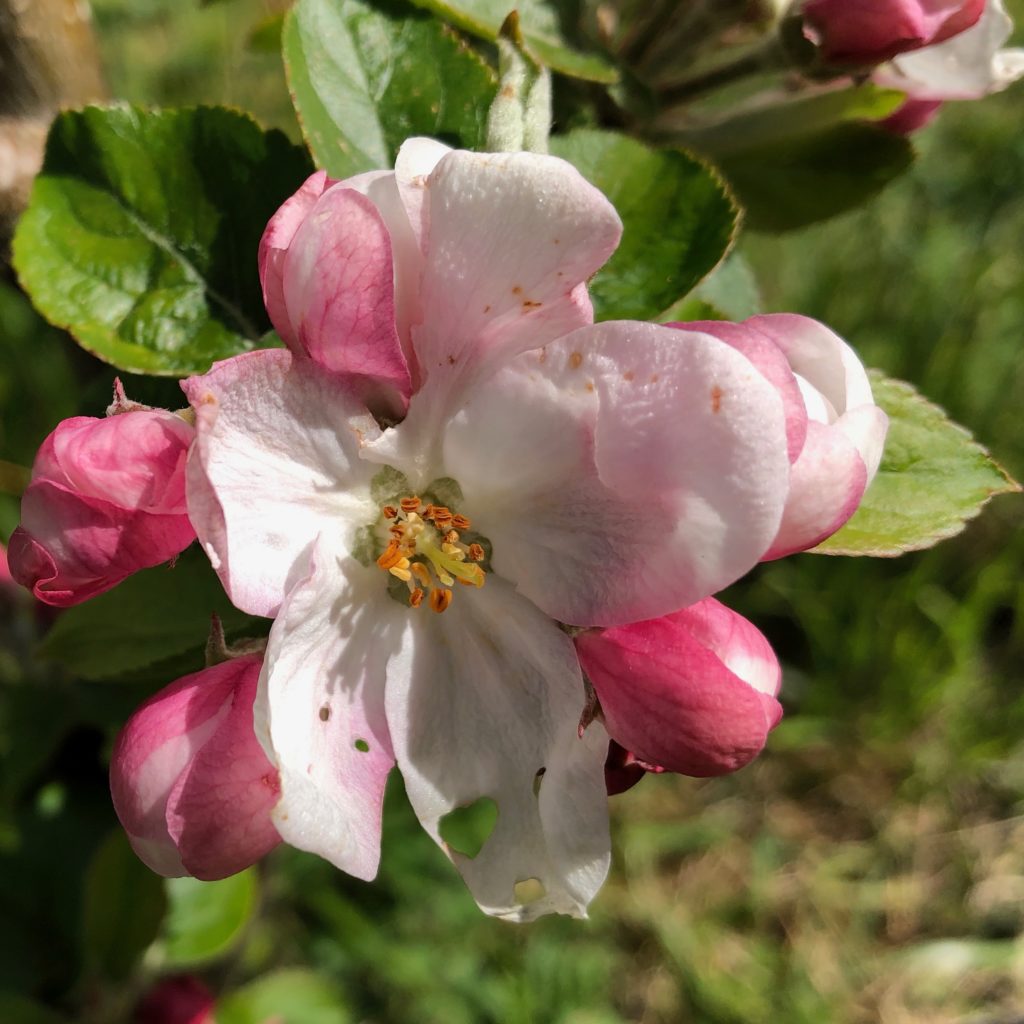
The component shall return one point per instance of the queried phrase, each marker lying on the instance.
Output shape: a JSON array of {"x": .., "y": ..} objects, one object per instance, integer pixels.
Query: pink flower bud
[
  {"x": 342, "y": 314},
  {"x": 107, "y": 498},
  {"x": 180, "y": 1000},
  {"x": 911, "y": 116},
  {"x": 190, "y": 781},
  {"x": 692, "y": 692},
  {"x": 872, "y": 31},
  {"x": 834, "y": 430}
]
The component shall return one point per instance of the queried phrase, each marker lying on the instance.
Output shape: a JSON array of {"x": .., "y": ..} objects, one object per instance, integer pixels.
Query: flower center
[{"x": 426, "y": 553}]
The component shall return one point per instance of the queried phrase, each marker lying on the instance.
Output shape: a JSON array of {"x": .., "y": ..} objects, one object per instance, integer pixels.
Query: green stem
[{"x": 771, "y": 57}]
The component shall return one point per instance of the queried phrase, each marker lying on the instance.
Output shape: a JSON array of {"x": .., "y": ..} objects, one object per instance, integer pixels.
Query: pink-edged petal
[
  {"x": 623, "y": 472},
  {"x": 966, "y": 67},
  {"x": 484, "y": 696},
  {"x": 416, "y": 160},
  {"x": 510, "y": 237},
  {"x": 275, "y": 463},
  {"x": 826, "y": 485},
  {"x": 338, "y": 287},
  {"x": 381, "y": 187},
  {"x": 277, "y": 237},
  {"x": 771, "y": 361},
  {"x": 218, "y": 812},
  {"x": 911, "y": 116},
  {"x": 135, "y": 459},
  {"x": 73, "y": 547},
  {"x": 820, "y": 356},
  {"x": 692, "y": 692},
  {"x": 870, "y": 31},
  {"x": 152, "y": 751},
  {"x": 320, "y": 710}
]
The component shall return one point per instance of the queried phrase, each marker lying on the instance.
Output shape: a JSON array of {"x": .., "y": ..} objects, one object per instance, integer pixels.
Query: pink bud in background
[
  {"x": 834, "y": 429},
  {"x": 692, "y": 692},
  {"x": 107, "y": 498},
  {"x": 180, "y": 1000},
  {"x": 871, "y": 31},
  {"x": 911, "y": 116},
  {"x": 190, "y": 781}
]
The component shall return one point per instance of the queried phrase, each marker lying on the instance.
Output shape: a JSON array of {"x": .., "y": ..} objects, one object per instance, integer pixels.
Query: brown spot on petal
[
  {"x": 628, "y": 375},
  {"x": 530, "y": 304},
  {"x": 543, "y": 357},
  {"x": 325, "y": 713},
  {"x": 451, "y": 360},
  {"x": 487, "y": 308},
  {"x": 517, "y": 289},
  {"x": 575, "y": 360},
  {"x": 655, "y": 378},
  {"x": 590, "y": 385},
  {"x": 716, "y": 398}
]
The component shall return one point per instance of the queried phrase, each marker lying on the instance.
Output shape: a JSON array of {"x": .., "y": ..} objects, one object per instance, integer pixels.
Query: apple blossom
[
  {"x": 835, "y": 431},
  {"x": 871, "y": 31},
  {"x": 547, "y": 470},
  {"x": 691, "y": 692},
  {"x": 967, "y": 67},
  {"x": 191, "y": 784},
  {"x": 106, "y": 498}
]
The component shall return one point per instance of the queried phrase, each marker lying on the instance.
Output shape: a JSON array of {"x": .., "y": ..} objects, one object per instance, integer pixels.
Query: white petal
[
  {"x": 487, "y": 694},
  {"x": 968, "y": 66},
  {"x": 416, "y": 159},
  {"x": 275, "y": 463},
  {"x": 627, "y": 471},
  {"x": 320, "y": 709}
]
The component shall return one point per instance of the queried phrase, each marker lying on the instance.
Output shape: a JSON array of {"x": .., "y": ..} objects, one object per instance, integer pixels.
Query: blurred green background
[{"x": 869, "y": 868}]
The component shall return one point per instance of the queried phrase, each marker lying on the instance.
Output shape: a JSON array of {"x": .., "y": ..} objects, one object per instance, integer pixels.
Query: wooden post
[{"x": 48, "y": 60}]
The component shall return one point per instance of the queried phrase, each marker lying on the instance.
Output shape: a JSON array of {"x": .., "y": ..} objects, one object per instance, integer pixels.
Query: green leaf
[
  {"x": 792, "y": 119},
  {"x": 207, "y": 919},
  {"x": 366, "y": 77},
  {"x": 539, "y": 23},
  {"x": 729, "y": 292},
  {"x": 37, "y": 385},
  {"x": 794, "y": 182},
  {"x": 152, "y": 616},
  {"x": 123, "y": 904},
  {"x": 933, "y": 478},
  {"x": 292, "y": 996},
  {"x": 678, "y": 221},
  {"x": 140, "y": 237}
]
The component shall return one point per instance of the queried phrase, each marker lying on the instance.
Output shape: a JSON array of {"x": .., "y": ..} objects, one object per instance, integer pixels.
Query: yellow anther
[
  {"x": 424, "y": 551},
  {"x": 391, "y": 557}
]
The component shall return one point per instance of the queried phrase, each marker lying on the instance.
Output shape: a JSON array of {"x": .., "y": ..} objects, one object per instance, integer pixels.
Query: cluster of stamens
[{"x": 426, "y": 553}]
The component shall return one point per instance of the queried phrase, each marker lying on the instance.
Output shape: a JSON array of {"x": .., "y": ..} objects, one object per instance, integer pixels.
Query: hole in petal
[
  {"x": 362, "y": 745},
  {"x": 537, "y": 780},
  {"x": 529, "y": 890},
  {"x": 466, "y": 829},
  {"x": 325, "y": 713}
]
